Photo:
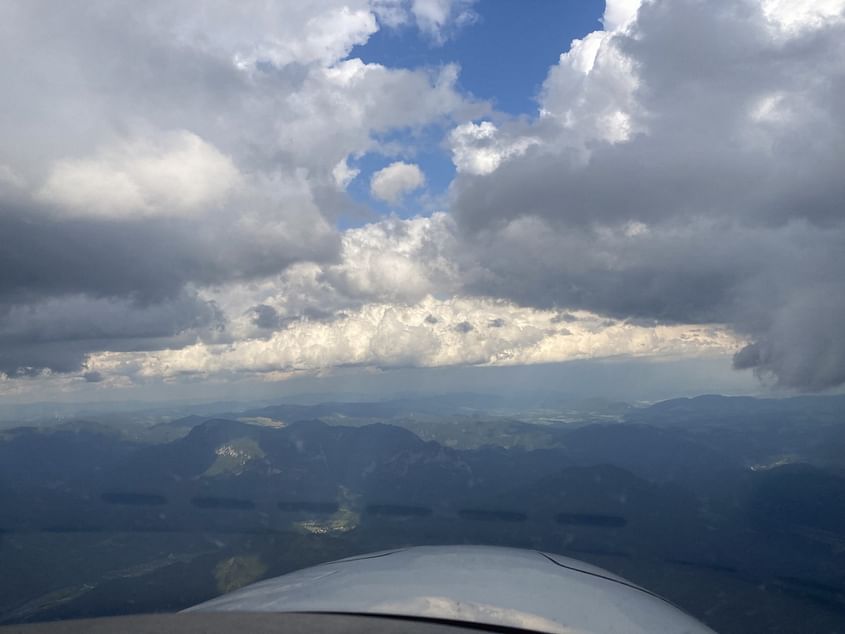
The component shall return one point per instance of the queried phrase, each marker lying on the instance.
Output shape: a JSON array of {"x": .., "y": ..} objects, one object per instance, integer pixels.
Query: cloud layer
[
  {"x": 429, "y": 333},
  {"x": 171, "y": 183}
]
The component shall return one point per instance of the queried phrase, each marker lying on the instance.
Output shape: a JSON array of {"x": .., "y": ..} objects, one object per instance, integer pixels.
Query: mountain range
[{"x": 734, "y": 508}]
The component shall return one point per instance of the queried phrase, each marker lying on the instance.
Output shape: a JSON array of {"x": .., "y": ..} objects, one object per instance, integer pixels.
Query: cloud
[
  {"x": 10, "y": 179},
  {"x": 396, "y": 335},
  {"x": 59, "y": 332},
  {"x": 92, "y": 377},
  {"x": 619, "y": 14},
  {"x": 479, "y": 149},
  {"x": 803, "y": 341},
  {"x": 391, "y": 183},
  {"x": 436, "y": 19},
  {"x": 266, "y": 228},
  {"x": 188, "y": 151},
  {"x": 375, "y": 307},
  {"x": 343, "y": 174},
  {"x": 395, "y": 260},
  {"x": 264, "y": 316},
  {"x": 180, "y": 173},
  {"x": 391, "y": 13},
  {"x": 677, "y": 192},
  {"x": 391, "y": 261},
  {"x": 791, "y": 17},
  {"x": 688, "y": 172},
  {"x": 251, "y": 32}
]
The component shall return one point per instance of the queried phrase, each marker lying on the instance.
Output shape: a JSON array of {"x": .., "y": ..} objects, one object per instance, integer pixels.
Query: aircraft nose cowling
[{"x": 509, "y": 587}]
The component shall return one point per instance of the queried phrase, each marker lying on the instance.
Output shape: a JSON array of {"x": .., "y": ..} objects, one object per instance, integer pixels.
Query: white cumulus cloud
[
  {"x": 478, "y": 148},
  {"x": 394, "y": 181},
  {"x": 794, "y": 16},
  {"x": 178, "y": 173},
  {"x": 428, "y": 333}
]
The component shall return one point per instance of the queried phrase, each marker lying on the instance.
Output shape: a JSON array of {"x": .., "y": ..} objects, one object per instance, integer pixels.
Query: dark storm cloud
[
  {"x": 59, "y": 331},
  {"x": 42, "y": 256},
  {"x": 73, "y": 286},
  {"x": 725, "y": 205},
  {"x": 803, "y": 340}
]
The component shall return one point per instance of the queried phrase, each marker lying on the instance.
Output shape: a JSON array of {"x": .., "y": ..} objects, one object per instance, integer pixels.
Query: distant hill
[{"x": 744, "y": 410}]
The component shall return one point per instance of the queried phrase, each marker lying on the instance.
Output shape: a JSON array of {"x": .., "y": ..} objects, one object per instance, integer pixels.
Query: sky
[{"x": 240, "y": 197}]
